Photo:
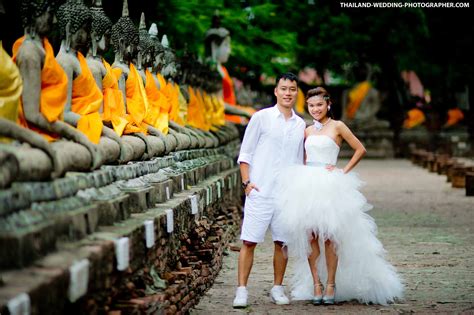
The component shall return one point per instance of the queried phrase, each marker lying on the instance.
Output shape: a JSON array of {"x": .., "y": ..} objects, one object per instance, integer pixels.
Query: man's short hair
[{"x": 287, "y": 76}]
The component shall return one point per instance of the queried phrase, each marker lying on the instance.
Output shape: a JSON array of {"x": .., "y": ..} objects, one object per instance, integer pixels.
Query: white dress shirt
[{"x": 271, "y": 143}]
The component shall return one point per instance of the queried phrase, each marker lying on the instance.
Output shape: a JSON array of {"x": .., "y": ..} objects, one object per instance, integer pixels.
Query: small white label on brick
[
  {"x": 454, "y": 138},
  {"x": 194, "y": 204},
  {"x": 462, "y": 145},
  {"x": 219, "y": 192},
  {"x": 19, "y": 305},
  {"x": 78, "y": 279},
  {"x": 149, "y": 233},
  {"x": 122, "y": 252},
  {"x": 208, "y": 196},
  {"x": 169, "y": 220},
  {"x": 182, "y": 183},
  {"x": 168, "y": 193}
]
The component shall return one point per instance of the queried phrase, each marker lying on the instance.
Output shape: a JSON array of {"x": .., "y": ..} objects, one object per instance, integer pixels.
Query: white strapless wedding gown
[{"x": 311, "y": 199}]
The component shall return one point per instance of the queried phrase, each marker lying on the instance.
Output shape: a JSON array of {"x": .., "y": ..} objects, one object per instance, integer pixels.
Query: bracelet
[{"x": 245, "y": 184}]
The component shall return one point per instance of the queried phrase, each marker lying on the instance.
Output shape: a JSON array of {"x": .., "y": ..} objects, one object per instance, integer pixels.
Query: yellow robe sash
[
  {"x": 195, "y": 112},
  {"x": 183, "y": 109},
  {"x": 219, "y": 110},
  {"x": 11, "y": 87}
]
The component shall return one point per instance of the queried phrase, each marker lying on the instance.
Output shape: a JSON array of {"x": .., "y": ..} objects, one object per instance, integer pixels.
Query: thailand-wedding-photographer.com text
[{"x": 401, "y": 5}]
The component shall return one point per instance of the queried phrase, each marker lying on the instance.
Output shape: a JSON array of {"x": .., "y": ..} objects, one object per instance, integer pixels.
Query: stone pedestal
[{"x": 378, "y": 143}]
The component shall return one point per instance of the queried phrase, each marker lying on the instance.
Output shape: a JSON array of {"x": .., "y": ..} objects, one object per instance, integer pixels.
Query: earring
[{"x": 329, "y": 108}]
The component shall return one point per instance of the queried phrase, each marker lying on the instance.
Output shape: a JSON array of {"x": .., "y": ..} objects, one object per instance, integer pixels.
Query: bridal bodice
[{"x": 321, "y": 149}]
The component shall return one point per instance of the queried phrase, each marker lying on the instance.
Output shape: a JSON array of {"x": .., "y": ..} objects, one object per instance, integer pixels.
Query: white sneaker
[
  {"x": 241, "y": 296},
  {"x": 277, "y": 294}
]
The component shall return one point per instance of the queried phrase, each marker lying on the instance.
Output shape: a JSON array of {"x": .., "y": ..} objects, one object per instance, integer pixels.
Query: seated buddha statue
[
  {"x": 175, "y": 112},
  {"x": 113, "y": 108},
  {"x": 84, "y": 98},
  {"x": 11, "y": 87},
  {"x": 218, "y": 48},
  {"x": 44, "y": 96},
  {"x": 125, "y": 40},
  {"x": 361, "y": 103},
  {"x": 160, "y": 103}
]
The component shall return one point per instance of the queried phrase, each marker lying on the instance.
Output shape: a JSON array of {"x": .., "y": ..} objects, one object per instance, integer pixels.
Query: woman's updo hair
[{"x": 319, "y": 91}]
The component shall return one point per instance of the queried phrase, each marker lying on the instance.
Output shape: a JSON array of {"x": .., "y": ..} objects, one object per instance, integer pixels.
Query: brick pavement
[{"x": 426, "y": 226}]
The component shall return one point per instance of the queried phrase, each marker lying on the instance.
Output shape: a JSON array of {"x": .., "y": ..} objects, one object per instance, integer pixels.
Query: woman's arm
[
  {"x": 355, "y": 144},
  {"x": 306, "y": 134}
]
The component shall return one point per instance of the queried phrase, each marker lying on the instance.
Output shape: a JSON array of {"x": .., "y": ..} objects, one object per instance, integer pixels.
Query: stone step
[{"x": 33, "y": 231}]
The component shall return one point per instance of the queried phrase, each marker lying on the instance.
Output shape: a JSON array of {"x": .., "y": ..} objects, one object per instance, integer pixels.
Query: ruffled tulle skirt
[{"x": 312, "y": 200}]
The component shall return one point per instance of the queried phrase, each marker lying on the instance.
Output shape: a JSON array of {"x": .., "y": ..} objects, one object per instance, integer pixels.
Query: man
[{"x": 273, "y": 140}]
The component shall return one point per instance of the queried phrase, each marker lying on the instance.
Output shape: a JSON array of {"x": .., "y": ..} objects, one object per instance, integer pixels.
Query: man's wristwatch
[{"x": 245, "y": 184}]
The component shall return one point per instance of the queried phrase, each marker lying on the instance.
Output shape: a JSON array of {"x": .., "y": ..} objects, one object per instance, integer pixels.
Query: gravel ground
[{"x": 425, "y": 225}]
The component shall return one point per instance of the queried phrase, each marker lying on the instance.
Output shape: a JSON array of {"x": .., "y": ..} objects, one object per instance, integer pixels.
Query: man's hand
[{"x": 249, "y": 188}]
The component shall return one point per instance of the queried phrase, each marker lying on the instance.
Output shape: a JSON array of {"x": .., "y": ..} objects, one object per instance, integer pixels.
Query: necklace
[{"x": 319, "y": 125}]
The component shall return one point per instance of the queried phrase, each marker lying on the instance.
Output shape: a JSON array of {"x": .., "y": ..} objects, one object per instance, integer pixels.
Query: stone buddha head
[
  {"x": 37, "y": 16},
  {"x": 125, "y": 37},
  {"x": 217, "y": 42},
  {"x": 158, "y": 48},
  {"x": 146, "y": 46},
  {"x": 74, "y": 19},
  {"x": 100, "y": 29},
  {"x": 170, "y": 66}
]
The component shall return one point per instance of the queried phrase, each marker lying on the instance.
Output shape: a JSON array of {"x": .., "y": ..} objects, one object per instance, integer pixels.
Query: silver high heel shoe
[
  {"x": 330, "y": 299},
  {"x": 318, "y": 299}
]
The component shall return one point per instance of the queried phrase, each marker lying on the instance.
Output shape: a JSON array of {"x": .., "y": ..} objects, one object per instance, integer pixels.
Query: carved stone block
[{"x": 140, "y": 199}]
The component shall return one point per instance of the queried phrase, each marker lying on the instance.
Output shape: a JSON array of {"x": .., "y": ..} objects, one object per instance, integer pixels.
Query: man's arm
[{"x": 249, "y": 143}]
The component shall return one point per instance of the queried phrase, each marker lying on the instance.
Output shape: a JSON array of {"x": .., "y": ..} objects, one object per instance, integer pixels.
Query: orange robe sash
[
  {"x": 137, "y": 102},
  {"x": 356, "y": 97},
  {"x": 114, "y": 109},
  {"x": 195, "y": 112},
  {"x": 300, "y": 102},
  {"x": 157, "y": 117},
  {"x": 455, "y": 115},
  {"x": 86, "y": 101},
  {"x": 414, "y": 118},
  {"x": 53, "y": 89},
  {"x": 229, "y": 97}
]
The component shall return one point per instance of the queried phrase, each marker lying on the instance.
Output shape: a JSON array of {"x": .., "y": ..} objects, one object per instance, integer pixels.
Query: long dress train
[{"x": 312, "y": 199}]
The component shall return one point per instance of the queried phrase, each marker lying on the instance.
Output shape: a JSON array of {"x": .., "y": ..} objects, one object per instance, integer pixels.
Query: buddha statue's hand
[
  {"x": 57, "y": 168},
  {"x": 123, "y": 153},
  {"x": 96, "y": 156}
]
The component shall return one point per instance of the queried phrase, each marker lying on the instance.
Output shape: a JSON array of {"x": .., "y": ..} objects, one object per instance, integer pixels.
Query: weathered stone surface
[
  {"x": 80, "y": 216},
  {"x": 8, "y": 169}
]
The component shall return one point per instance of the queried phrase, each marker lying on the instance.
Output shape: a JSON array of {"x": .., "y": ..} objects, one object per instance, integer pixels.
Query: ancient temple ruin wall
[{"x": 148, "y": 237}]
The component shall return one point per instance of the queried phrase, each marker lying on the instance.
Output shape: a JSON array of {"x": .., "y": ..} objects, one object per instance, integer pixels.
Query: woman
[{"x": 323, "y": 214}]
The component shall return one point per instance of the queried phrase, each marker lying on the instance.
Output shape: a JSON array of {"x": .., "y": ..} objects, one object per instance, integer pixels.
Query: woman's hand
[
  {"x": 249, "y": 188},
  {"x": 330, "y": 167}
]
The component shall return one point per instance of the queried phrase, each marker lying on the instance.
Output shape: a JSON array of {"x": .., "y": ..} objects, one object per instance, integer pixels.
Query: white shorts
[{"x": 258, "y": 215}]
